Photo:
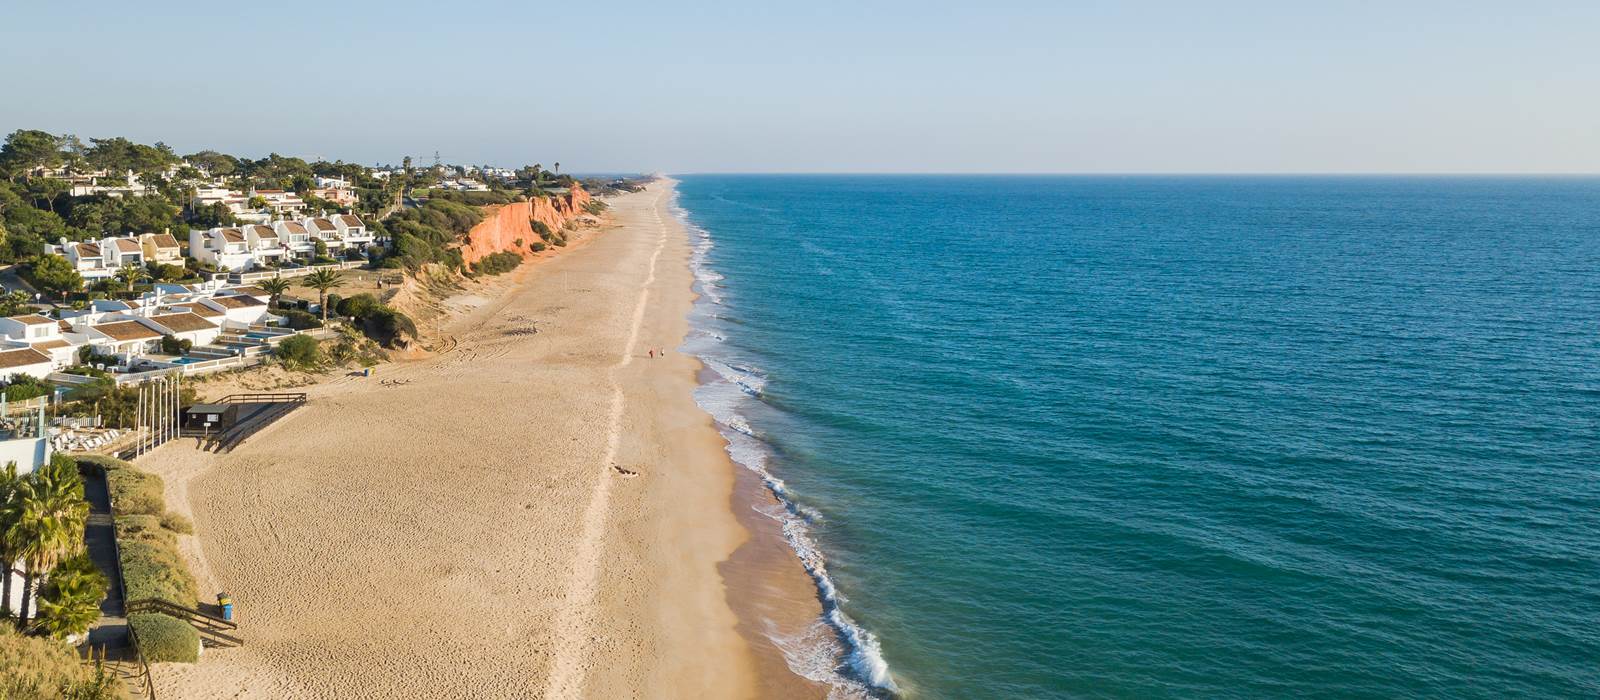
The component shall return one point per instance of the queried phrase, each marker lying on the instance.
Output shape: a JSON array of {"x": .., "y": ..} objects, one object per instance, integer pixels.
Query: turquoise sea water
[{"x": 1171, "y": 437}]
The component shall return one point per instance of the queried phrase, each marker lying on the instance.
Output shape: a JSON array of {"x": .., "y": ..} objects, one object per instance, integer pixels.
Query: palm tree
[
  {"x": 70, "y": 601},
  {"x": 10, "y": 510},
  {"x": 49, "y": 526},
  {"x": 276, "y": 287},
  {"x": 322, "y": 281},
  {"x": 130, "y": 274}
]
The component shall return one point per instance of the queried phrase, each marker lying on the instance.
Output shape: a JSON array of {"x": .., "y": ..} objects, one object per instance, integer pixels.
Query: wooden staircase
[{"x": 214, "y": 631}]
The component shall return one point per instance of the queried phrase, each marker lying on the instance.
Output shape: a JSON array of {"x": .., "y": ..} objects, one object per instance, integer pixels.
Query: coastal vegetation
[
  {"x": 45, "y": 669},
  {"x": 497, "y": 263},
  {"x": 427, "y": 234},
  {"x": 322, "y": 281},
  {"x": 379, "y": 322},
  {"x": 152, "y": 567},
  {"x": 301, "y": 352},
  {"x": 42, "y": 517}
]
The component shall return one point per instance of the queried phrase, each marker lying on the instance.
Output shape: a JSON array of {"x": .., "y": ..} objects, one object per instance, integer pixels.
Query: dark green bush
[
  {"x": 165, "y": 638},
  {"x": 537, "y": 246},
  {"x": 300, "y": 320},
  {"x": 153, "y": 569},
  {"x": 20, "y": 387},
  {"x": 542, "y": 229},
  {"x": 497, "y": 263},
  {"x": 358, "y": 306},
  {"x": 299, "y": 351},
  {"x": 172, "y": 345}
]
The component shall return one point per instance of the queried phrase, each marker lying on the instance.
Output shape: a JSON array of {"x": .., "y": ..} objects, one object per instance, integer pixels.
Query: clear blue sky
[{"x": 828, "y": 86}]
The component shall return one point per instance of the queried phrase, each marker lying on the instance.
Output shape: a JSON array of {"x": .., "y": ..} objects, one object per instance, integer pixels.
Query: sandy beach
[{"x": 541, "y": 511}]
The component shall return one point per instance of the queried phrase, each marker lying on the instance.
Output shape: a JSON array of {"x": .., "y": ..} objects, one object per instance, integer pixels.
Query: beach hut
[{"x": 210, "y": 417}]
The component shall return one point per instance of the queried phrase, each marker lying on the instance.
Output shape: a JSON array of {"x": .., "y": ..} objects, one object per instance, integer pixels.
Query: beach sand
[{"x": 541, "y": 511}]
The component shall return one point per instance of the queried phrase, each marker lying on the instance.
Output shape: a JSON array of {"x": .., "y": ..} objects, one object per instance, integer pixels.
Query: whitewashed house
[
  {"x": 43, "y": 334},
  {"x": 122, "y": 252},
  {"x": 126, "y": 338},
  {"x": 295, "y": 238},
  {"x": 185, "y": 325},
  {"x": 353, "y": 231},
  {"x": 238, "y": 310},
  {"x": 281, "y": 202},
  {"x": 264, "y": 245},
  {"x": 323, "y": 228},
  {"x": 86, "y": 258},
  {"x": 223, "y": 246}
]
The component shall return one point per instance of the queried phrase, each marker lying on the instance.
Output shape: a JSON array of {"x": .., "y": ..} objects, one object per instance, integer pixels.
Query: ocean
[{"x": 1200, "y": 437}]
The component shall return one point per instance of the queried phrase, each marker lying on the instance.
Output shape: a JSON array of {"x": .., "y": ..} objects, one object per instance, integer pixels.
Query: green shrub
[
  {"x": 152, "y": 569},
  {"x": 299, "y": 352},
  {"x": 537, "y": 246},
  {"x": 165, "y": 638},
  {"x": 541, "y": 228},
  {"x": 135, "y": 492},
  {"x": 176, "y": 522},
  {"x": 144, "y": 528},
  {"x": 35, "y": 668},
  {"x": 358, "y": 306},
  {"x": 497, "y": 263},
  {"x": 21, "y": 387},
  {"x": 172, "y": 345},
  {"x": 101, "y": 464},
  {"x": 300, "y": 320}
]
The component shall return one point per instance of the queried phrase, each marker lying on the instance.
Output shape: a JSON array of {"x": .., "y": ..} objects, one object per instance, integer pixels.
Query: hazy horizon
[{"x": 904, "y": 88}]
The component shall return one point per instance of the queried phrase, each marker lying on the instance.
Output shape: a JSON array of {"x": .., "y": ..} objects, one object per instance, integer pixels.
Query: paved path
[{"x": 111, "y": 631}]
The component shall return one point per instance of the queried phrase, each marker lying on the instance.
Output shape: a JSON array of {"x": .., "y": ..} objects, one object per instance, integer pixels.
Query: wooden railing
[
  {"x": 203, "y": 622},
  {"x": 280, "y": 397}
]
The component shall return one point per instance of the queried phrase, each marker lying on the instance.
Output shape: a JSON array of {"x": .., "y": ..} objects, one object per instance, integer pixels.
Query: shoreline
[
  {"x": 791, "y": 592},
  {"x": 544, "y": 510}
]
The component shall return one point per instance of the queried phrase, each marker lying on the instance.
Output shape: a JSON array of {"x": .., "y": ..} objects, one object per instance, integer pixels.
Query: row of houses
[
  {"x": 278, "y": 203},
  {"x": 127, "y": 332},
  {"x": 98, "y": 260},
  {"x": 232, "y": 248},
  {"x": 240, "y": 248}
]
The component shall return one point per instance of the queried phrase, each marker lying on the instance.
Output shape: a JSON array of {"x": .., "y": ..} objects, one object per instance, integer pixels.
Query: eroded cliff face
[{"x": 503, "y": 227}]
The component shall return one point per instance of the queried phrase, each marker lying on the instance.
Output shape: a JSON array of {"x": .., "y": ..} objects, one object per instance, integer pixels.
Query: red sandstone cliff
[{"x": 503, "y": 227}]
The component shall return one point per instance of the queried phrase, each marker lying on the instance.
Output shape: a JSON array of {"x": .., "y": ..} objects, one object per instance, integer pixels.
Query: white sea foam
[{"x": 834, "y": 650}]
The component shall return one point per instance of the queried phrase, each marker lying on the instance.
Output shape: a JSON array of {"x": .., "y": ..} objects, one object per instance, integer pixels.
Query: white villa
[
  {"x": 261, "y": 245},
  {"x": 281, "y": 202},
  {"x": 264, "y": 245},
  {"x": 98, "y": 260},
  {"x": 43, "y": 335},
  {"x": 295, "y": 238},
  {"x": 224, "y": 246}
]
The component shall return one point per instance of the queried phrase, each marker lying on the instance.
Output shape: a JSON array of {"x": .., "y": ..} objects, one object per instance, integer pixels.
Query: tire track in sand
[{"x": 576, "y": 620}]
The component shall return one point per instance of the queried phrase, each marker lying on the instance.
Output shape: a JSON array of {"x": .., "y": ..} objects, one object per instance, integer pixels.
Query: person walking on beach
[{"x": 652, "y": 353}]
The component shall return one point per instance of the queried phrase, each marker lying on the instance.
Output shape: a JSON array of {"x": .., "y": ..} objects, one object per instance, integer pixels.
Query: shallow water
[{"x": 1152, "y": 436}]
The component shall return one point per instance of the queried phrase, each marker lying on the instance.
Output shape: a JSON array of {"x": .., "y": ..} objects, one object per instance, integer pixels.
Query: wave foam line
[{"x": 866, "y": 674}]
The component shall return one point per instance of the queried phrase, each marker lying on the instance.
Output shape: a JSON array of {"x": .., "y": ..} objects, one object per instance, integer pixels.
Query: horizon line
[{"x": 1151, "y": 173}]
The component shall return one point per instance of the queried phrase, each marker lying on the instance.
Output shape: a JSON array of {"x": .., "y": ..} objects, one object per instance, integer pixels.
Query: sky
[{"x": 823, "y": 86}]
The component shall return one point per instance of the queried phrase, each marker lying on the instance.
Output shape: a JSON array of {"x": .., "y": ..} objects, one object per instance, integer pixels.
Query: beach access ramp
[{"x": 222, "y": 424}]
